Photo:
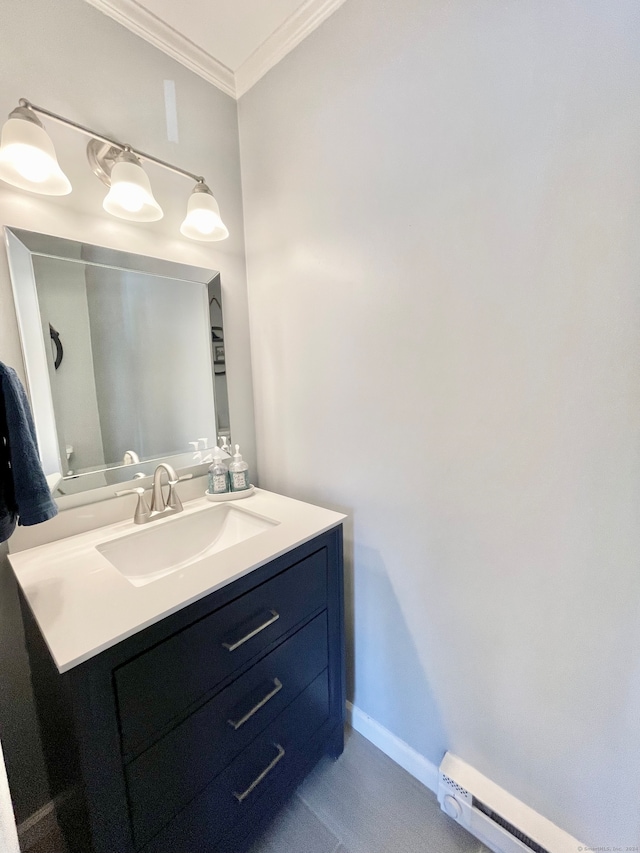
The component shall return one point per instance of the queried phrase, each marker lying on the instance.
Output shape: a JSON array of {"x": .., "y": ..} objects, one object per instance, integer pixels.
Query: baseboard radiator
[{"x": 495, "y": 817}]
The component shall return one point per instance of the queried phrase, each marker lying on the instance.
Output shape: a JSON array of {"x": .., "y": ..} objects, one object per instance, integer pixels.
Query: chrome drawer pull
[
  {"x": 243, "y": 796},
  {"x": 273, "y": 618},
  {"x": 276, "y": 689}
]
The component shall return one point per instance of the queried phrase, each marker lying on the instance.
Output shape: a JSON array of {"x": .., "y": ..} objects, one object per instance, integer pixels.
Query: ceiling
[{"x": 231, "y": 43}]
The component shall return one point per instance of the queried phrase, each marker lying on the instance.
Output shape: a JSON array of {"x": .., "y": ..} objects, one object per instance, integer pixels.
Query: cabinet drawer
[
  {"x": 163, "y": 682},
  {"x": 261, "y": 771},
  {"x": 172, "y": 772}
]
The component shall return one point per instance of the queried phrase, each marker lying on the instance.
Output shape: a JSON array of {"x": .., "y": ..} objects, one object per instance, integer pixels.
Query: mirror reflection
[{"x": 128, "y": 366}]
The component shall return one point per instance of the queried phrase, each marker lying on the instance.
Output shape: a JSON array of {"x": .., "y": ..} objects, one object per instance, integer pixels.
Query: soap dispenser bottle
[
  {"x": 238, "y": 472},
  {"x": 218, "y": 475}
]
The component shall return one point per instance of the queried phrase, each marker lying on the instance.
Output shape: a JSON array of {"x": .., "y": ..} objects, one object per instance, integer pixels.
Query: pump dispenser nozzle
[{"x": 238, "y": 472}]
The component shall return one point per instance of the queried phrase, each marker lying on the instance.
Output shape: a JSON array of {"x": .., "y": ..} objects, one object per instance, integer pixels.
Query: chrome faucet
[{"x": 159, "y": 508}]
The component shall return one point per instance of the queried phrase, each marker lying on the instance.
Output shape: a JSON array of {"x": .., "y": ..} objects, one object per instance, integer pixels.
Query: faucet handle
[
  {"x": 173, "y": 499},
  {"x": 142, "y": 512}
]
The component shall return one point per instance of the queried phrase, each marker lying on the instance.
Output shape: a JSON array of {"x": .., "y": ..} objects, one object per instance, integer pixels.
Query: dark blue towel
[{"x": 24, "y": 494}]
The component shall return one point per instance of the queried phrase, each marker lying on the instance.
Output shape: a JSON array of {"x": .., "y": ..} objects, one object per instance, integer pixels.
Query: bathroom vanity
[{"x": 179, "y": 710}]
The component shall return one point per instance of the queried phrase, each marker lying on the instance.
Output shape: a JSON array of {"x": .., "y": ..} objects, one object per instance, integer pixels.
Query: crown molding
[
  {"x": 148, "y": 26},
  {"x": 288, "y": 35}
]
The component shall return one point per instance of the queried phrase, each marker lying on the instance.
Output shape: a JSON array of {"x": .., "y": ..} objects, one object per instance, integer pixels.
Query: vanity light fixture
[
  {"x": 28, "y": 161},
  {"x": 27, "y": 156},
  {"x": 203, "y": 221},
  {"x": 130, "y": 196}
]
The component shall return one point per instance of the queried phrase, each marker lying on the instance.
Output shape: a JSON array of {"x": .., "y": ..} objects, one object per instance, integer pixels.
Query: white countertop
[{"x": 83, "y": 605}]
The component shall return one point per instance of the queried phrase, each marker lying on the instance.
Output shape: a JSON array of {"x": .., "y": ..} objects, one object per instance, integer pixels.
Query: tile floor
[{"x": 362, "y": 803}]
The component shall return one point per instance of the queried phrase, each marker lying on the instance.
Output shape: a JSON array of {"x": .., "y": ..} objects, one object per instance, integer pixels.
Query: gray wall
[
  {"x": 18, "y": 725},
  {"x": 442, "y": 219},
  {"x": 70, "y": 58}
]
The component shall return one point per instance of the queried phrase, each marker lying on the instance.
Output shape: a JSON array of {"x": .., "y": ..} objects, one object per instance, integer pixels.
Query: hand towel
[{"x": 24, "y": 495}]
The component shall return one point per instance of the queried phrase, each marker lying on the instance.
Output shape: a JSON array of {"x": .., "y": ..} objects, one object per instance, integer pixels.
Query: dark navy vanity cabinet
[{"x": 188, "y": 736}]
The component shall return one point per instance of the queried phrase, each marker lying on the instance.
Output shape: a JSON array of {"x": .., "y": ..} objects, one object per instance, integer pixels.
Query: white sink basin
[{"x": 165, "y": 547}]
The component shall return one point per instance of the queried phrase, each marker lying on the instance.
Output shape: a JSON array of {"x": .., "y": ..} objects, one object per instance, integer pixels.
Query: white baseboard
[
  {"x": 406, "y": 756},
  {"x": 36, "y": 827}
]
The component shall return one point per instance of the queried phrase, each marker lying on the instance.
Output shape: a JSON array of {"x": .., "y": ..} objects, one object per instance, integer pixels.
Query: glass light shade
[
  {"x": 28, "y": 159},
  {"x": 203, "y": 221},
  {"x": 130, "y": 196}
]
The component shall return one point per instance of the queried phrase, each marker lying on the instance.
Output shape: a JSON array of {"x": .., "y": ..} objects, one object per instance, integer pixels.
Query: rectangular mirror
[{"x": 125, "y": 360}]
